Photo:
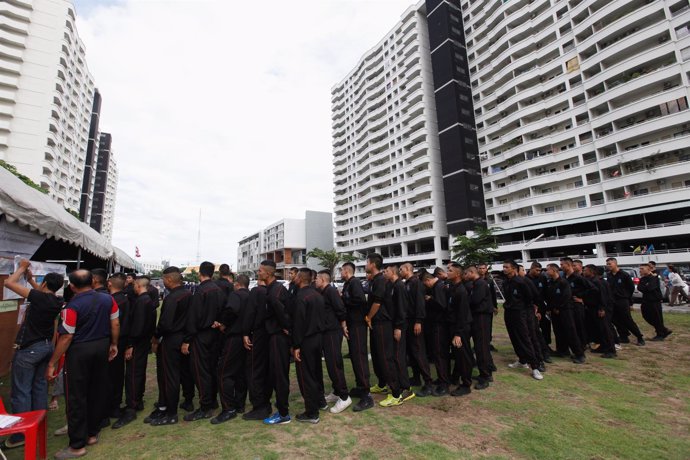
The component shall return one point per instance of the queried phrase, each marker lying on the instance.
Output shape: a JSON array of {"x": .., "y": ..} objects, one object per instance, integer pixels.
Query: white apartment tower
[
  {"x": 388, "y": 182},
  {"x": 46, "y": 96},
  {"x": 583, "y": 127}
]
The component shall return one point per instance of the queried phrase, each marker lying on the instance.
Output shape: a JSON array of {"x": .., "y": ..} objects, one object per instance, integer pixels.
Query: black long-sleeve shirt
[
  {"x": 417, "y": 306},
  {"x": 308, "y": 315},
  {"x": 517, "y": 293},
  {"x": 398, "y": 300},
  {"x": 255, "y": 314},
  {"x": 539, "y": 283},
  {"x": 377, "y": 294},
  {"x": 558, "y": 295},
  {"x": 355, "y": 300},
  {"x": 459, "y": 309},
  {"x": 226, "y": 286},
  {"x": 232, "y": 314},
  {"x": 606, "y": 295},
  {"x": 173, "y": 317},
  {"x": 277, "y": 314},
  {"x": 594, "y": 296},
  {"x": 122, "y": 302},
  {"x": 334, "y": 312},
  {"x": 622, "y": 285},
  {"x": 650, "y": 288},
  {"x": 479, "y": 297},
  {"x": 580, "y": 286},
  {"x": 142, "y": 321},
  {"x": 492, "y": 287},
  {"x": 204, "y": 309},
  {"x": 437, "y": 305}
]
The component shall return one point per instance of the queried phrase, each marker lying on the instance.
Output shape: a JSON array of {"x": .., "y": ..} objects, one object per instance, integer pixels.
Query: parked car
[{"x": 634, "y": 273}]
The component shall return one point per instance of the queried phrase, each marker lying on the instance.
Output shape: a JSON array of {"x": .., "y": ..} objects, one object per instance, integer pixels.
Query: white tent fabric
[
  {"x": 123, "y": 259},
  {"x": 28, "y": 207}
]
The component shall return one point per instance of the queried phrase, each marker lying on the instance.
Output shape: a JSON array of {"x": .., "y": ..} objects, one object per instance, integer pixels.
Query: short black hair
[
  {"x": 652, "y": 263},
  {"x": 376, "y": 259},
  {"x": 325, "y": 272},
  {"x": 294, "y": 269},
  {"x": 80, "y": 279},
  {"x": 268, "y": 263},
  {"x": 567, "y": 259},
  {"x": 536, "y": 264},
  {"x": 612, "y": 259},
  {"x": 207, "y": 269},
  {"x": 554, "y": 266},
  {"x": 455, "y": 265},
  {"x": 393, "y": 265},
  {"x": 349, "y": 264},
  {"x": 511, "y": 262},
  {"x": 99, "y": 275},
  {"x": 224, "y": 270},
  {"x": 438, "y": 270},
  {"x": 54, "y": 281},
  {"x": 592, "y": 267},
  {"x": 577, "y": 261},
  {"x": 171, "y": 269},
  {"x": 243, "y": 280}
]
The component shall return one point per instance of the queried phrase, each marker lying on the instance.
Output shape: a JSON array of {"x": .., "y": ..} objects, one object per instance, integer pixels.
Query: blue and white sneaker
[{"x": 277, "y": 419}]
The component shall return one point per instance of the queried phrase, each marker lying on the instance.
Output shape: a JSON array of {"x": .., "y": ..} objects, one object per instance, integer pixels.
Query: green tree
[
  {"x": 156, "y": 273},
  {"x": 475, "y": 249},
  {"x": 192, "y": 277},
  {"x": 330, "y": 259},
  {"x": 23, "y": 178}
]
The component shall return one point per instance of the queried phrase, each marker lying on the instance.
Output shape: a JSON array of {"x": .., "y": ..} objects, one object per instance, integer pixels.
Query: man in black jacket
[
  {"x": 116, "y": 367},
  {"x": 142, "y": 325},
  {"x": 415, "y": 343},
  {"x": 167, "y": 341},
  {"x": 277, "y": 324},
  {"x": 650, "y": 288},
  {"x": 622, "y": 289},
  {"x": 308, "y": 317},
  {"x": 481, "y": 308},
  {"x": 232, "y": 382},
  {"x": 559, "y": 302},
  {"x": 379, "y": 320},
  {"x": 518, "y": 304},
  {"x": 398, "y": 299},
  {"x": 599, "y": 308},
  {"x": 461, "y": 321},
  {"x": 539, "y": 281},
  {"x": 201, "y": 341},
  {"x": 438, "y": 327},
  {"x": 255, "y": 340},
  {"x": 580, "y": 289},
  {"x": 335, "y": 328},
  {"x": 355, "y": 302},
  {"x": 226, "y": 280}
]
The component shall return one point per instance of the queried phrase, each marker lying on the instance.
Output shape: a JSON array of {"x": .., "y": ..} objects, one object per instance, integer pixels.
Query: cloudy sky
[{"x": 222, "y": 107}]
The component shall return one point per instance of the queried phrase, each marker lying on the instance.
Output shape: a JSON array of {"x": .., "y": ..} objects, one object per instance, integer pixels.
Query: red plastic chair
[{"x": 33, "y": 426}]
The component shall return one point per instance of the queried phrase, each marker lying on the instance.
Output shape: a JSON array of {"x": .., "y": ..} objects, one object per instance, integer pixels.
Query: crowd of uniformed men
[{"x": 231, "y": 344}]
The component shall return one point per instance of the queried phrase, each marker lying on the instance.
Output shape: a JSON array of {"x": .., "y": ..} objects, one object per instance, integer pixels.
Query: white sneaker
[
  {"x": 518, "y": 365},
  {"x": 341, "y": 405},
  {"x": 331, "y": 398},
  {"x": 618, "y": 346},
  {"x": 537, "y": 375}
]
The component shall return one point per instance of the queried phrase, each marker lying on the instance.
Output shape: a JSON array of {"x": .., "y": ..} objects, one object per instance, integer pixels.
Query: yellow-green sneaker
[
  {"x": 391, "y": 401},
  {"x": 376, "y": 389}
]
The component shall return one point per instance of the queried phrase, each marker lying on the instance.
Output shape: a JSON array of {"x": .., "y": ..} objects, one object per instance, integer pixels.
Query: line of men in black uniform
[
  {"x": 586, "y": 307},
  {"x": 234, "y": 343}
]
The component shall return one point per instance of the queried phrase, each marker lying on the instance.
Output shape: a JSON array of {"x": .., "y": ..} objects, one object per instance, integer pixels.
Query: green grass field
[{"x": 633, "y": 407}]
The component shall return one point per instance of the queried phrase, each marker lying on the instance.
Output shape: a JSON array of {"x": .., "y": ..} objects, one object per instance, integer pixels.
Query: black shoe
[
  {"x": 140, "y": 406},
  {"x": 541, "y": 367},
  {"x": 481, "y": 385},
  {"x": 105, "y": 423},
  {"x": 165, "y": 420},
  {"x": 608, "y": 355},
  {"x": 579, "y": 360},
  {"x": 127, "y": 418},
  {"x": 492, "y": 348},
  {"x": 548, "y": 360},
  {"x": 257, "y": 414},
  {"x": 116, "y": 413},
  {"x": 559, "y": 354},
  {"x": 187, "y": 405},
  {"x": 641, "y": 342},
  {"x": 415, "y": 382},
  {"x": 493, "y": 368},
  {"x": 424, "y": 391},
  {"x": 224, "y": 417},
  {"x": 324, "y": 406},
  {"x": 365, "y": 403},
  {"x": 658, "y": 338},
  {"x": 624, "y": 339},
  {"x": 198, "y": 415},
  {"x": 668, "y": 332},
  {"x": 240, "y": 410},
  {"x": 304, "y": 418},
  {"x": 461, "y": 391},
  {"x": 157, "y": 413},
  {"x": 357, "y": 392},
  {"x": 440, "y": 390}
]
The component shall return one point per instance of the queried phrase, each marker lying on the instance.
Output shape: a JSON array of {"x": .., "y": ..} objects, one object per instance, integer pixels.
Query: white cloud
[{"x": 222, "y": 106}]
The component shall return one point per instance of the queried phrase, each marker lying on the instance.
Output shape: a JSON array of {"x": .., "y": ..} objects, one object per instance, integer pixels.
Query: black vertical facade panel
[
  {"x": 86, "y": 192},
  {"x": 460, "y": 165}
]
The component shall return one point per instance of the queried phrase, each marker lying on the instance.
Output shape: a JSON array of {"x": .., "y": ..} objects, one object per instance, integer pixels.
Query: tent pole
[{"x": 78, "y": 258}]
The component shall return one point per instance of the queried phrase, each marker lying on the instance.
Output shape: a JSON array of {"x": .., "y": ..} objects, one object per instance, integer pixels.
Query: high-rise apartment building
[
  {"x": 46, "y": 96},
  {"x": 387, "y": 156},
  {"x": 583, "y": 126},
  {"x": 104, "y": 188},
  {"x": 87, "y": 185}
]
